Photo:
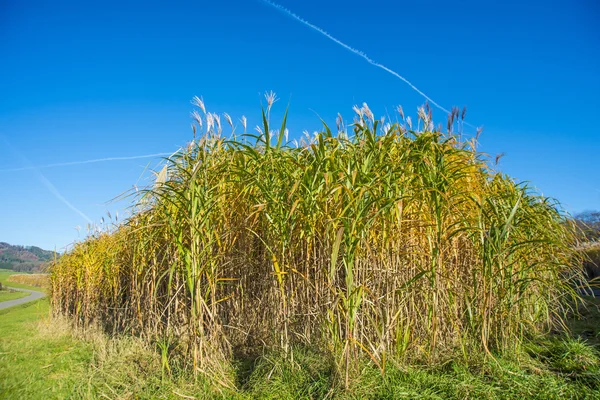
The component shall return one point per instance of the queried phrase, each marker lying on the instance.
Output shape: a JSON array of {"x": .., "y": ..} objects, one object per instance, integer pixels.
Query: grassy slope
[
  {"x": 32, "y": 367},
  {"x": 11, "y": 295},
  {"x": 50, "y": 363}
]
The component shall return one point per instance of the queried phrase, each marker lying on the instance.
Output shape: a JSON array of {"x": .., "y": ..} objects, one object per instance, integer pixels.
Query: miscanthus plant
[{"x": 375, "y": 242}]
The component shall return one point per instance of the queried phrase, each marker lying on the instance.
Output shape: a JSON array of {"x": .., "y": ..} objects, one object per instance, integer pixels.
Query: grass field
[
  {"x": 11, "y": 295},
  {"x": 52, "y": 361},
  {"x": 34, "y": 367}
]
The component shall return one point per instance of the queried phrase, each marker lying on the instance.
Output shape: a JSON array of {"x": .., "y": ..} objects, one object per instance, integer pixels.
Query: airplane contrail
[
  {"x": 357, "y": 52},
  {"x": 97, "y": 160},
  {"x": 46, "y": 182},
  {"x": 60, "y": 197}
]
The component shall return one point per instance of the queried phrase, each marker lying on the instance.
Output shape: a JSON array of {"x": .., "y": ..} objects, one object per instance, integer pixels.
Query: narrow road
[{"x": 34, "y": 295}]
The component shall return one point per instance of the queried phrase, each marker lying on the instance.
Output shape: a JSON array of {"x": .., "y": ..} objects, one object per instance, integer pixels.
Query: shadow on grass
[
  {"x": 586, "y": 325},
  {"x": 303, "y": 373}
]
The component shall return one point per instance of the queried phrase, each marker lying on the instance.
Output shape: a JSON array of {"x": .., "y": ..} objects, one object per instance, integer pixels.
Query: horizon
[{"x": 95, "y": 95}]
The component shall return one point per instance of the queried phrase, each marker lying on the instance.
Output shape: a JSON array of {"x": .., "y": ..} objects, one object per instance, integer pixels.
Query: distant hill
[{"x": 24, "y": 258}]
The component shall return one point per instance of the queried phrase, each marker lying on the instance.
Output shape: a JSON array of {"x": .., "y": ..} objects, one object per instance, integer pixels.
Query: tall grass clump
[{"x": 376, "y": 242}]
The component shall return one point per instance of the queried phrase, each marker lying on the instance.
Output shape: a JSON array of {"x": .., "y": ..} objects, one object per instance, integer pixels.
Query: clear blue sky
[{"x": 87, "y": 80}]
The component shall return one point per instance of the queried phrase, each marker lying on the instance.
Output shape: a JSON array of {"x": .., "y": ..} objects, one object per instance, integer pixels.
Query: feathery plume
[
  {"x": 209, "y": 122},
  {"x": 197, "y": 101},
  {"x": 228, "y": 119},
  {"x": 271, "y": 98},
  {"x": 401, "y": 112},
  {"x": 367, "y": 112}
]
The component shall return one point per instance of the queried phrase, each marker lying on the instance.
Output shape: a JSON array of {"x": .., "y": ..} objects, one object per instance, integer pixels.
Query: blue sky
[{"x": 91, "y": 80}]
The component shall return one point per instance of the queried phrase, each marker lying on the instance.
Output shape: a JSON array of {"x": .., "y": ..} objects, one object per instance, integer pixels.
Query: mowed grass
[
  {"x": 6, "y": 295},
  {"x": 4, "y": 274},
  {"x": 34, "y": 367},
  {"x": 43, "y": 358}
]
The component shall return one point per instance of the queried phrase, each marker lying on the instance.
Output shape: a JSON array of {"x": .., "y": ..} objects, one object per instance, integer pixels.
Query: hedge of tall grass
[{"x": 377, "y": 242}]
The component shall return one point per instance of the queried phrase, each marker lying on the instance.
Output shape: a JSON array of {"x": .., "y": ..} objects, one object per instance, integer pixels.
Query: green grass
[
  {"x": 6, "y": 295},
  {"x": 51, "y": 361},
  {"x": 5, "y": 273},
  {"x": 41, "y": 359},
  {"x": 586, "y": 324},
  {"x": 32, "y": 367}
]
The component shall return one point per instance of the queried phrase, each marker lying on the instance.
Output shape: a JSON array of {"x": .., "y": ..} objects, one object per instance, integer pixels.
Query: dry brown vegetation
[
  {"x": 379, "y": 242},
  {"x": 38, "y": 280}
]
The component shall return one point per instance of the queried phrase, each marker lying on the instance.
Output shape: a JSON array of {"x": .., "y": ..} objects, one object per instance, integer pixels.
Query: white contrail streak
[
  {"x": 60, "y": 197},
  {"x": 85, "y": 162},
  {"x": 357, "y": 52},
  {"x": 46, "y": 182}
]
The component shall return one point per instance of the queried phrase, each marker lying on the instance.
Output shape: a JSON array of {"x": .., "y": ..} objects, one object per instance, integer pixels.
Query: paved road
[{"x": 34, "y": 295}]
